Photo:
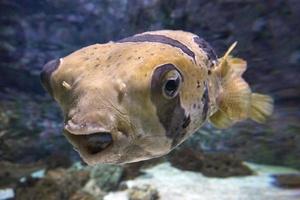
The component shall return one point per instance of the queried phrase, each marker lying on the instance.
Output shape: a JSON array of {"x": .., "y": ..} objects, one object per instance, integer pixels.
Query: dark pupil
[{"x": 171, "y": 86}]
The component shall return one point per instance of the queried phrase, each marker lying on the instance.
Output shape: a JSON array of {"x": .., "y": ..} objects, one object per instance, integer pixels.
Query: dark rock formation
[
  {"x": 107, "y": 177},
  {"x": 58, "y": 184},
  {"x": 214, "y": 164},
  {"x": 11, "y": 173},
  {"x": 287, "y": 180}
]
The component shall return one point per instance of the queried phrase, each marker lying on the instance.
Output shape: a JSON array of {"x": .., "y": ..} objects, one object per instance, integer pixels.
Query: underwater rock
[
  {"x": 132, "y": 170},
  {"x": 93, "y": 189},
  {"x": 10, "y": 173},
  {"x": 287, "y": 180},
  {"x": 211, "y": 164},
  {"x": 58, "y": 184},
  {"x": 143, "y": 192},
  {"x": 136, "y": 192},
  {"x": 31, "y": 131},
  {"x": 56, "y": 160},
  {"x": 272, "y": 143},
  {"x": 107, "y": 177},
  {"x": 80, "y": 195}
]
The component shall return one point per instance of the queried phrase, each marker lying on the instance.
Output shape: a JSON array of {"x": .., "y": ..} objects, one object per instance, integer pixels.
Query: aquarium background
[{"x": 36, "y": 161}]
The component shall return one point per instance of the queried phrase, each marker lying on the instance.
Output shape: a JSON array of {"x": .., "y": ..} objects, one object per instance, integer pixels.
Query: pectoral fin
[{"x": 235, "y": 101}]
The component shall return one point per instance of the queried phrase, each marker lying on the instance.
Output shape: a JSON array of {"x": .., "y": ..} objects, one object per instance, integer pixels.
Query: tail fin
[{"x": 236, "y": 102}]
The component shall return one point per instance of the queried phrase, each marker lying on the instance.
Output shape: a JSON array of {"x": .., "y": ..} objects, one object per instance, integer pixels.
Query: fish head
[{"x": 121, "y": 105}]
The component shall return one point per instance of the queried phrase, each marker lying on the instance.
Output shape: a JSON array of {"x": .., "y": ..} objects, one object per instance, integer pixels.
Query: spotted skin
[
  {"x": 205, "y": 100},
  {"x": 116, "y": 88}
]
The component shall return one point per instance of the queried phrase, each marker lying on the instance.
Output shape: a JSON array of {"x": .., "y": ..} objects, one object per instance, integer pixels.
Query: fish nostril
[{"x": 97, "y": 142}]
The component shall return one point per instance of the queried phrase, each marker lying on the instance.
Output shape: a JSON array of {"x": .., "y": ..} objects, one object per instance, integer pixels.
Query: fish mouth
[
  {"x": 96, "y": 142},
  {"x": 92, "y": 143}
]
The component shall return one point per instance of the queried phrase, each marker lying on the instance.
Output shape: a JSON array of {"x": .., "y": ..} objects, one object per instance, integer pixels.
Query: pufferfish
[{"x": 140, "y": 97}]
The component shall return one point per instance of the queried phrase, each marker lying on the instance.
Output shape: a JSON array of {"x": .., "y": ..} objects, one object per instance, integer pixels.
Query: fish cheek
[
  {"x": 170, "y": 112},
  {"x": 46, "y": 73}
]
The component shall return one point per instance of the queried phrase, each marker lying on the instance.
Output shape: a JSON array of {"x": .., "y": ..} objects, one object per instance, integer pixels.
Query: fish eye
[{"x": 171, "y": 84}]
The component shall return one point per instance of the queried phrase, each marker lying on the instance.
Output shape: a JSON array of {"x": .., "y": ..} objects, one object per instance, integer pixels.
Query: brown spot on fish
[
  {"x": 205, "y": 46},
  {"x": 169, "y": 111},
  {"x": 46, "y": 73},
  {"x": 186, "y": 122},
  {"x": 160, "y": 39},
  {"x": 120, "y": 96},
  {"x": 198, "y": 84},
  {"x": 205, "y": 101}
]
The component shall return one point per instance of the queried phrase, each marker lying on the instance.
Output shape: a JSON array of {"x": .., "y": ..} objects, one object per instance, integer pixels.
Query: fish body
[{"x": 140, "y": 97}]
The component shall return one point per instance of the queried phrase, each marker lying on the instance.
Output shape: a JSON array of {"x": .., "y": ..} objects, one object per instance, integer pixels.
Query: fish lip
[{"x": 83, "y": 129}]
